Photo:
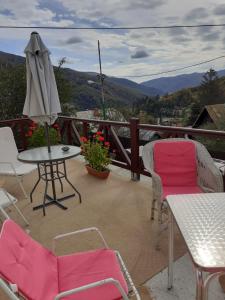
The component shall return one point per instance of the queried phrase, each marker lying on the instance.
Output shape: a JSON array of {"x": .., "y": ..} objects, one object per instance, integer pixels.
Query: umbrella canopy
[{"x": 42, "y": 101}]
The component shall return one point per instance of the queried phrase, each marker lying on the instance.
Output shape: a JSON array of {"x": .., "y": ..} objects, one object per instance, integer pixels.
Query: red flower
[
  {"x": 107, "y": 144},
  {"x": 33, "y": 125},
  {"x": 99, "y": 133},
  {"x": 83, "y": 139},
  {"x": 56, "y": 126},
  {"x": 101, "y": 139},
  {"x": 29, "y": 133}
]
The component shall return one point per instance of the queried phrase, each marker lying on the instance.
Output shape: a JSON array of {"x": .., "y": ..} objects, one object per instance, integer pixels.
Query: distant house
[
  {"x": 88, "y": 114},
  {"x": 211, "y": 114},
  {"x": 123, "y": 132}
]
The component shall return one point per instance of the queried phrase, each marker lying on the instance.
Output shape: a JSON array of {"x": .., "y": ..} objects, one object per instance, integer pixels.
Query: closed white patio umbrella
[{"x": 42, "y": 101}]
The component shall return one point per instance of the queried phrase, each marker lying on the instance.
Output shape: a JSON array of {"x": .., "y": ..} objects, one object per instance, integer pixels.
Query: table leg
[
  {"x": 171, "y": 246},
  {"x": 49, "y": 176},
  {"x": 57, "y": 171},
  {"x": 73, "y": 187},
  {"x": 36, "y": 184},
  {"x": 199, "y": 285}
]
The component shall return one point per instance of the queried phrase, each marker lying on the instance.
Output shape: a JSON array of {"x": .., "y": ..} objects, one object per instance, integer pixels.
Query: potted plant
[
  {"x": 96, "y": 153},
  {"x": 37, "y": 137}
]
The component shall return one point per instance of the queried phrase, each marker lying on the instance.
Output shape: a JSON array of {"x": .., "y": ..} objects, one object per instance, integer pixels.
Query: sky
[{"x": 127, "y": 52}]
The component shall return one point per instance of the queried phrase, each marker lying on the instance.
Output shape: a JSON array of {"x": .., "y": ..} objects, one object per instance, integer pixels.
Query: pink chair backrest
[
  {"x": 26, "y": 263},
  {"x": 175, "y": 163}
]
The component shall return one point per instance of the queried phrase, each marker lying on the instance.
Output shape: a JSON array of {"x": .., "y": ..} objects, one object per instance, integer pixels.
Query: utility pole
[{"x": 101, "y": 77}]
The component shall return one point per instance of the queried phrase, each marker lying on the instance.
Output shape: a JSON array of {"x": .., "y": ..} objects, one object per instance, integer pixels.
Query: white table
[
  {"x": 49, "y": 162},
  {"x": 201, "y": 221}
]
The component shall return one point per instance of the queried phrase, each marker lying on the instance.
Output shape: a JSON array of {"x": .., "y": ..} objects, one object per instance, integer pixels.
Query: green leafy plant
[
  {"x": 96, "y": 151},
  {"x": 37, "y": 137}
]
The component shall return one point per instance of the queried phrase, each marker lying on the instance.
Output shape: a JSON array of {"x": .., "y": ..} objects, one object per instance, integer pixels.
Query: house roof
[{"x": 216, "y": 113}]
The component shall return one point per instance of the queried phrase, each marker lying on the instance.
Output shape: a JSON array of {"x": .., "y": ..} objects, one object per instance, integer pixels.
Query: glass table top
[{"x": 41, "y": 154}]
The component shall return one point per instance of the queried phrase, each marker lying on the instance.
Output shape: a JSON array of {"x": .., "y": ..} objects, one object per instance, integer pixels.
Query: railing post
[
  {"x": 135, "y": 160},
  {"x": 85, "y": 129},
  {"x": 22, "y": 135},
  {"x": 69, "y": 133}
]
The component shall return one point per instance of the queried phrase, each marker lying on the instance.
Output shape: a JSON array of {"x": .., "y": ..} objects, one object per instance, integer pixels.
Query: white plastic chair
[
  {"x": 9, "y": 164},
  {"x": 7, "y": 200}
]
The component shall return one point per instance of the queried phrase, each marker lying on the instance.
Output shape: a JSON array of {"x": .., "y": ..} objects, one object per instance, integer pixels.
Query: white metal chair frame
[
  {"x": 12, "y": 292},
  {"x": 11, "y": 156},
  {"x": 18, "y": 177},
  {"x": 209, "y": 176},
  {"x": 14, "y": 205}
]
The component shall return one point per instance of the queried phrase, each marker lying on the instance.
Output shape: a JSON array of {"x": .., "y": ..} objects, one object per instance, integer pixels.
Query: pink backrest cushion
[
  {"x": 175, "y": 163},
  {"x": 25, "y": 262}
]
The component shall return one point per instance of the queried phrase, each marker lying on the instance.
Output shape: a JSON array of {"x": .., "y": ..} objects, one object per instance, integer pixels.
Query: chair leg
[
  {"x": 153, "y": 209},
  {"x": 21, "y": 186},
  {"x": 159, "y": 225},
  {"x": 17, "y": 208}
]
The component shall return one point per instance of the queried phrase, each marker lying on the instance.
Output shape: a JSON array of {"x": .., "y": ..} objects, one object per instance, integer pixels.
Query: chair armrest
[
  {"x": 8, "y": 291},
  {"x": 209, "y": 175},
  {"x": 156, "y": 186},
  {"x": 92, "y": 285},
  {"x": 148, "y": 161},
  {"x": 11, "y": 166},
  {"x": 78, "y": 232}
]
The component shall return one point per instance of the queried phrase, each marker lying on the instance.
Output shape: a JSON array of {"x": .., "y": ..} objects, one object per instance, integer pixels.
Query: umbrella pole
[{"x": 47, "y": 136}]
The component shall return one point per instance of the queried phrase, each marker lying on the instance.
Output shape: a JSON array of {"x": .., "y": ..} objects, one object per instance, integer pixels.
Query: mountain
[
  {"x": 86, "y": 91},
  {"x": 117, "y": 91},
  {"x": 176, "y": 83},
  {"x": 10, "y": 59},
  {"x": 149, "y": 91}
]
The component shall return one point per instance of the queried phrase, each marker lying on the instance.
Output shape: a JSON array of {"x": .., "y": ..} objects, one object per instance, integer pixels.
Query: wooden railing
[{"x": 72, "y": 128}]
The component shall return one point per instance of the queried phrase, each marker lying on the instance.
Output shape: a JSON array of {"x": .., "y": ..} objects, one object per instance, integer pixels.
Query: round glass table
[{"x": 51, "y": 167}]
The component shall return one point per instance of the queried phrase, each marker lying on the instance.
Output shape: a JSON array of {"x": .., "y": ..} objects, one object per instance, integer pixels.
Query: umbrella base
[
  {"x": 51, "y": 173},
  {"x": 52, "y": 201}
]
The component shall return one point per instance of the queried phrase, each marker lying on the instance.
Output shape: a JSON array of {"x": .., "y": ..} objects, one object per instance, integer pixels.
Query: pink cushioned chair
[
  {"x": 179, "y": 166},
  {"x": 36, "y": 273}
]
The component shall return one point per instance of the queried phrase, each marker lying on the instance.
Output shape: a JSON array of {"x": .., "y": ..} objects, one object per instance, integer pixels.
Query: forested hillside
[{"x": 185, "y": 104}]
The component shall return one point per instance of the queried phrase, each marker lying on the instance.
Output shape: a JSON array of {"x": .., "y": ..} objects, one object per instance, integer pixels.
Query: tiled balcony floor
[
  {"x": 118, "y": 206},
  {"x": 184, "y": 287}
]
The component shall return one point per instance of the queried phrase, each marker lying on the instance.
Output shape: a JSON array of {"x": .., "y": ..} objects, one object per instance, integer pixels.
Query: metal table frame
[
  {"x": 204, "y": 274},
  {"x": 49, "y": 172}
]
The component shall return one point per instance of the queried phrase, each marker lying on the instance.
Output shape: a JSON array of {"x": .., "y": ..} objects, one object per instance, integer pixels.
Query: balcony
[{"x": 119, "y": 206}]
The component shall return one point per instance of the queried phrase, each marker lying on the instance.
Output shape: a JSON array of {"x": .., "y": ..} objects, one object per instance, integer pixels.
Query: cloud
[
  {"x": 214, "y": 36},
  {"x": 74, "y": 40},
  {"x": 144, "y": 4},
  {"x": 139, "y": 54},
  {"x": 219, "y": 10},
  {"x": 177, "y": 31},
  {"x": 197, "y": 13},
  {"x": 6, "y": 12},
  {"x": 180, "y": 40},
  {"x": 208, "y": 48},
  {"x": 172, "y": 19}
]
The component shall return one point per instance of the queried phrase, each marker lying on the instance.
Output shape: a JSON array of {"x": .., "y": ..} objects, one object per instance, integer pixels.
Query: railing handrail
[
  {"x": 187, "y": 130},
  {"x": 97, "y": 121},
  {"x": 131, "y": 161},
  {"x": 172, "y": 129}
]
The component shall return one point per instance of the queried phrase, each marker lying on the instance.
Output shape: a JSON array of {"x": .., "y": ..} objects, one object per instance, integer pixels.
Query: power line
[
  {"x": 111, "y": 28},
  {"x": 174, "y": 70}
]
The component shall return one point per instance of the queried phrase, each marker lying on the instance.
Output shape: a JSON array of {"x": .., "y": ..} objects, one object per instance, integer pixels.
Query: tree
[
  {"x": 210, "y": 89},
  {"x": 13, "y": 90},
  {"x": 64, "y": 89}
]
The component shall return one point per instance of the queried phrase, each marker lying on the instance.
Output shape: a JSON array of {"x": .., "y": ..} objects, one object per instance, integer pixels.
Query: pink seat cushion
[
  {"x": 175, "y": 163},
  {"x": 87, "y": 267},
  {"x": 25, "y": 262},
  {"x": 176, "y": 190}
]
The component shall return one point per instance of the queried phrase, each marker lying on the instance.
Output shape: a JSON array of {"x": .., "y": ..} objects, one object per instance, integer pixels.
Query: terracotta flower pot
[{"x": 98, "y": 174}]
